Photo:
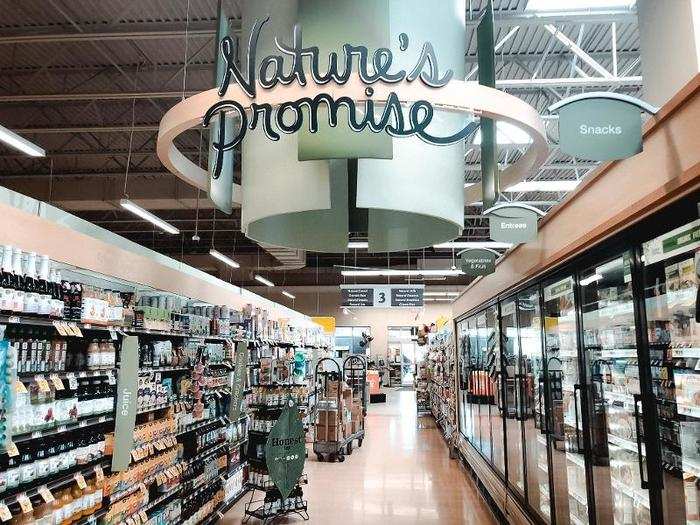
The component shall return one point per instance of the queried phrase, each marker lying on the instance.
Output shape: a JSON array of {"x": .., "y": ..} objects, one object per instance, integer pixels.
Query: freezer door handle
[
  {"x": 638, "y": 428},
  {"x": 542, "y": 415},
  {"x": 577, "y": 388}
]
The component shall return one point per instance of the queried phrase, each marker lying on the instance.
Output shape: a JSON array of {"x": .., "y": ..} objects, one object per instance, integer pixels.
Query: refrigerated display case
[{"x": 598, "y": 384}]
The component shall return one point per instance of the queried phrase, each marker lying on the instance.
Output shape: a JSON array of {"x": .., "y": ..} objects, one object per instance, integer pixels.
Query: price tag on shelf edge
[
  {"x": 45, "y": 493},
  {"x": 25, "y": 504},
  {"x": 144, "y": 516},
  {"x": 5, "y": 514},
  {"x": 11, "y": 449},
  {"x": 99, "y": 474},
  {"x": 43, "y": 384},
  {"x": 60, "y": 328},
  {"x": 57, "y": 382},
  {"x": 80, "y": 480},
  {"x": 20, "y": 387}
]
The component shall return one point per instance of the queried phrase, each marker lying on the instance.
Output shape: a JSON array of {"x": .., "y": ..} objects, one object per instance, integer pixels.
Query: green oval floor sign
[{"x": 285, "y": 451}]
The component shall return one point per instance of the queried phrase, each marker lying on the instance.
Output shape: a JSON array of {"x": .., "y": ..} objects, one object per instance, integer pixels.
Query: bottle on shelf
[
  {"x": 7, "y": 289},
  {"x": 44, "y": 287},
  {"x": 18, "y": 281},
  {"x": 31, "y": 297}
]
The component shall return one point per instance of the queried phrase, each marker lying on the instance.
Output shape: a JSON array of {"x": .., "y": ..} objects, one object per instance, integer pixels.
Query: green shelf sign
[{"x": 285, "y": 450}]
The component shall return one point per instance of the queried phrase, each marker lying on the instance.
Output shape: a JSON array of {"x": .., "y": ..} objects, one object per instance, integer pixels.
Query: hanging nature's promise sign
[
  {"x": 382, "y": 296},
  {"x": 285, "y": 450},
  {"x": 288, "y": 117},
  {"x": 601, "y": 126},
  {"x": 513, "y": 222},
  {"x": 478, "y": 261}
]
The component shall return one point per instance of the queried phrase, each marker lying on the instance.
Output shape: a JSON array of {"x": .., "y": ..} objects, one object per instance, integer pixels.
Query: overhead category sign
[
  {"x": 601, "y": 126},
  {"x": 382, "y": 296},
  {"x": 478, "y": 261},
  {"x": 513, "y": 222}
]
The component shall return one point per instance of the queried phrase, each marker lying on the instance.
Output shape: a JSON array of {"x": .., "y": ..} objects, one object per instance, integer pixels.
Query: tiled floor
[{"x": 401, "y": 475}]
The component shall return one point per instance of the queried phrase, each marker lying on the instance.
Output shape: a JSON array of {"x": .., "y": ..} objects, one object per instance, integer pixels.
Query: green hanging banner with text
[
  {"x": 285, "y": 450},
  {"x": 127, "y": 405},
  {"x": 239, "y": 374},
  {"x": 600, "y": 129}
]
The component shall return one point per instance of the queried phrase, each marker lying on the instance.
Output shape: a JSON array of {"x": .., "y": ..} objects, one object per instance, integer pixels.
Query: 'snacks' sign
[{"x": 288, "y": 117}]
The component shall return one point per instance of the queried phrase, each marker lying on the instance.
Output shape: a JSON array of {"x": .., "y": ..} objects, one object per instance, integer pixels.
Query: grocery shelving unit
[{"x": 441, "y": 386}]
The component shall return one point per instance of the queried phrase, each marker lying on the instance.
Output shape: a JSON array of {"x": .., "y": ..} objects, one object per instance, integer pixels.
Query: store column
[{"x": 670, "y": 46}]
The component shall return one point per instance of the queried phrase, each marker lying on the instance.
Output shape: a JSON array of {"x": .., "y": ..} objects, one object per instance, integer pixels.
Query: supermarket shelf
[
  {"x": 94, "y": 518},
  {"x": 156, "y": 369},
  {"x": 64, "y": 480},
  {"x": 689, "y": 410},
  {"x": 30, "y": 376},
  {"x": 201, "y": 424},
  {"x": 636, "y": 495},
  {"x": 685, "y": 352},
  {"x": 625, "y": 443},
  {"x": 81, "y": 423},
  {"x": 155, "y": 407}
]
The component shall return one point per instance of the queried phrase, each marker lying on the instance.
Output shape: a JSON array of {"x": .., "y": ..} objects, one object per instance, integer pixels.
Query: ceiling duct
[{"x": 289, "y": 258}]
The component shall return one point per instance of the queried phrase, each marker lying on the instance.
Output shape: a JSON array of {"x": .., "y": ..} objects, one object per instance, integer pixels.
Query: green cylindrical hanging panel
[
  {"x": 487, "y": 77},
  {"x": 417, "y": 199},
  {"x": 329, "y": 24},
  {"x": 221, "y": 185},
  {"x": 286, "y": 202}
]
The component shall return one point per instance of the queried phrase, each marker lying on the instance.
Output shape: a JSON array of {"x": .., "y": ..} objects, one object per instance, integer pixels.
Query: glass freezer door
[
  {"x": 513, "y": 394},
  {"x": 534, "y": 398},
  {"x": 618, "y": 456},
  {"x": 671, "y": 264},
  {"x": 566, "y": 430}
]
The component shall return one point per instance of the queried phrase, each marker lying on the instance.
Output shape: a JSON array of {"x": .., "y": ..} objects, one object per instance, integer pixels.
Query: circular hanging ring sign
[{"x": 456, "y": 96}]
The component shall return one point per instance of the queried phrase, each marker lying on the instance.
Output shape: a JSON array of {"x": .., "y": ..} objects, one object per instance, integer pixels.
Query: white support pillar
[{"x": 670, "y": 46}]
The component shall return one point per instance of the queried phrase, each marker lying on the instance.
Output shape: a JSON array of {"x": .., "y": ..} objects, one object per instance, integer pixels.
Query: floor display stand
[{"x": 272, "y": 388}]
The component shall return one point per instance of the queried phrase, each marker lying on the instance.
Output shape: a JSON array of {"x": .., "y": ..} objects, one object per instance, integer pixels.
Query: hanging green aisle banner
[
  {"x": 127, "y": 395},
  {"x": 600, "y": 129},
  {"x": 285, "y": 451},
  {"x": 478, "y": 261},
  {"x": 239, "y": 374},
  {"x": 486, "y": 54},
  {"x": 513, "y": 222},
  {"x": 220, "y": 160}
]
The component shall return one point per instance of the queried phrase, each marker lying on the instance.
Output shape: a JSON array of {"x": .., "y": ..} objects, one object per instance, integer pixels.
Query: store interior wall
[
  {"x": 378, "y": 319},
  {"x": 670, "y": 43}
]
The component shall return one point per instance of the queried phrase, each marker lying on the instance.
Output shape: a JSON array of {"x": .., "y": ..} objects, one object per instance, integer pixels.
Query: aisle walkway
[{"x": 401, "y": 476}]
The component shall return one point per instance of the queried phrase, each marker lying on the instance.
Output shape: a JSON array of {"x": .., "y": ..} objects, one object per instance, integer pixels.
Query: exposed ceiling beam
[
  {"x": 149, "y": 32},
  {"x": 539, "y": 83},
  {"x": 591, "y": 16},
  {"x": 550, "y": 166},
  {"x": 88, "y": 129},
  {"x": 52, "y": 97}
]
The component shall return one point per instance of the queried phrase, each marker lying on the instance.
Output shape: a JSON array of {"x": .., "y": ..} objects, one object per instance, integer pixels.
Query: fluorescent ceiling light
[
  {"x": 400, "y": 273},
  {"x": 544, "y": 185},
  {"x": 469, "y": 184},
  {"x": 591, "y": 279},
  {"x": 226, "y": 260},
  {"x": 457, "y": 245},
  {"x": 358, "y": 245},
  {"x": 440, "y": 294},
  {"x": 576, "y": 5},
  {"x": 147, "y": 215},
  {"x": 346, "y": 311},
  {"x": 506, "y": 133},
  {"x": 287, "y": 294},
  {"x": 261, "y": 279},
  {"x": 20, "y": 143}
]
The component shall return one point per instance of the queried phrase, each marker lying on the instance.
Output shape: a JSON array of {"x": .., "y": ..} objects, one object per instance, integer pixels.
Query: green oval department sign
[
  {"x": 478, "y": 261},
  {"x": 600, "y": 129},
  {"x": 285, "y": 451}
]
